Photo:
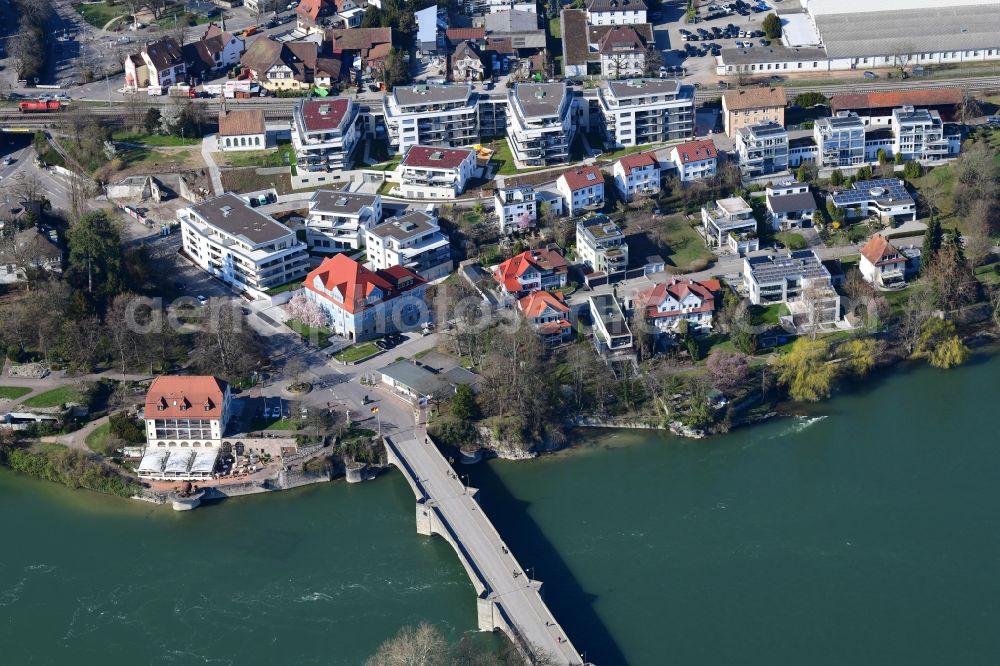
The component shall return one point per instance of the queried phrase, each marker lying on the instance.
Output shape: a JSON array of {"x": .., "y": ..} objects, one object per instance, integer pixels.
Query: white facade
[
  {"x": 790, "y": 205},
  {"x": 696, "y": 160},
  {"x": 516, "y": 209},
  {"x": 840, "y": 140},
  {"x": 413, "y": 240},
  {"x": 633, "y": 180},
  {"x": 240, "y": 246},
  {"x": 644, "y": 111},
  {"x": 325, "y": 134},
  {"x": 337, "y": 221},
  {"x": 730, "y": 225},
  {"x": 763, "y": 149},
  {"x": 601, "y": 246},
  {"x": 431, "y": 115},
  {"x": 617, "y": 17},
  {"x": 623, "y": 63},
  {"x": 796, "y": 279},
  {"x": 540, "y": 125},
  {"x": 583, "y": 197},
  {"x": 420, "y": 177},
  {"x": 918, "y": 134}
]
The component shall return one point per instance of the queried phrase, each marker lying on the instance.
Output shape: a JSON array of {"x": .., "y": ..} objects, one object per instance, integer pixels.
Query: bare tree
[
  {"x": 422, "y": 645},
  {"x": 902, "y": 55},
  {"x": 919, "y": 307}
]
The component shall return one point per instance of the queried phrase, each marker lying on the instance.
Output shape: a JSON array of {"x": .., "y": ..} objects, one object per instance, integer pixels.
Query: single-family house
[
  {"x": 730, "y": 225},
  {"x": 217, "y": 49},
  {"x": 582, "y": 189},
  {"x": 665, "y": 305},
  {"x": 548, "y": 314},
  {"x": 886, "y": 266},
  {"x": 516, "y": 208},
  {"x": 289, "y": 65},
  {"x": 158, "y": 64},
  {"x": 27, "y": 251},
  {"x": 790, "y": 205},
  {"x": 695, "y": 160},
  {"x": 467, "y": 63},
  {"x": 636, "y": 175},
  {"x": 532, "y": 270}
]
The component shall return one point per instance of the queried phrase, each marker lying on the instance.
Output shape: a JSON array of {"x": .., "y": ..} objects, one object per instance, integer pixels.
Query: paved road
[{"x": 511, "y": 587}]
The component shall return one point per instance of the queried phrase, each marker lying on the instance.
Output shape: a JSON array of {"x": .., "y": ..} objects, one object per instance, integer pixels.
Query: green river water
[{"x": 864, "y": 533}]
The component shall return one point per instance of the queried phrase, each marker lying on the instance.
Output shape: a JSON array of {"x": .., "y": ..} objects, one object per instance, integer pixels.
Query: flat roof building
[
  {"x": 325, "y": 134},
  {"x": 337, "y": 220},
  {"x": 886, "y": 198},
  {"x": 730, "y": 225},
  {"x": 601, "y": 246},
  {"x": 644, "y": 111},
  {"x": 413, "y": 240},
  {"x": 840, "y": 140},
  {"x": 763, "y": 149},
  {"x": 540, "y": 123},
  {"x": 431, "y": 115}
]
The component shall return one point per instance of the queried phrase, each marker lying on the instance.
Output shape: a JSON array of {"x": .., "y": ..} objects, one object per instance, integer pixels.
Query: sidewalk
[{"x": 213, "y": 169}]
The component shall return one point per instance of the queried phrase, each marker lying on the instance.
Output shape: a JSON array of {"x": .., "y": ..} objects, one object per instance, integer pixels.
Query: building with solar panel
[
  {"x": 885, "y": 198},
  {"x": 763, "y": 149},
  {"x": 827, "y": 35},
  {"x": 797, "y": 279}
]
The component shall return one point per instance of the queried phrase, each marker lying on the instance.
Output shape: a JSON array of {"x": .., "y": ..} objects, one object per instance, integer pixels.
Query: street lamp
[
  {"x": 465, "y": 485},
  {"x": 531, "y": 572}
]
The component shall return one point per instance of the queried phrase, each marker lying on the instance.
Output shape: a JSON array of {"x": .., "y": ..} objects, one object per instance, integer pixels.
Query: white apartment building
[
  {"x": 636, "y": 175},
  {"x": 601, "y": 246},
  {"x": 798, "y": 279},
  {"x": 616, "y": 12},
  {"x": 325, "y": 134},
  {"x": 643, "y": 111},
  {"x": 730, "y": 225},
  {"x": 763, "y": 149},
  {"x": 612, "y": 336},
  {"x": 840, "y": 140},
  {"x": 337, "y": 221},
  {"x": 427, "y": 172},
  {"x": 240, "y": 246},
  {"x": 918, "y": 134},
  {"x": 540, "y": 124},
  {"x": 431, "y": 115},
  {"x": 695, "y": 160},
  {"x": 790, "y": 205},
  {"x": 413, "y": 240},
  {"x": 582, "y": 189},
  {"x": 516, "y": 208}
]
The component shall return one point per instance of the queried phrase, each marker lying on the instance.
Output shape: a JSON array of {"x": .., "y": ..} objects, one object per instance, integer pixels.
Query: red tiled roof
[
  {"x": 535, "y": 303},
  {"x": 183, "y": 397},
  {"x": 324, "y": 114},
  {"x": 432, "y": 157},
  {"x": 696, "y": 151},
  {"x": 878, "y": 249},
  {"x": 586, "y": 176},
  {"x": 620, "y": 38},
  {"x": 553, "y": 327},
  {"x": 892, "y": 99},
  {"x": 679, "y": 289},
  {"x": 356, "y": 283},
  {"x": 459, "y": 34},
  {"x": 754, "y": 98},
  {"x": 241, "y": 121},
  {"x": 546, "y": 261},
  {"x": 637, "y": 161}
]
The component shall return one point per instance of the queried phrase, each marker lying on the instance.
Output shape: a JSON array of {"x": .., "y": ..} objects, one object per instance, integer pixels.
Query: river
[{"x": 862, "y": 533}]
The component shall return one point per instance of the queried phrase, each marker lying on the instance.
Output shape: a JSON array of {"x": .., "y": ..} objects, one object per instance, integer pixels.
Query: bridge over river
[{"x": 508, "y": 599}]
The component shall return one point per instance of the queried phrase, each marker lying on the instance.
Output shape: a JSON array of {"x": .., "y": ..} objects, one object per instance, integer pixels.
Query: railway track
[{"x": 978, "y": 84}]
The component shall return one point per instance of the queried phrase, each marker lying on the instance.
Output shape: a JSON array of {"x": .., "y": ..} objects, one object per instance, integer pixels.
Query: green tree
[
  {"x": 395, "y": 71},
  {"x": 860, "y": 355},
  {"x": 805, "y": 371},
  {"x": 912, "y": 170},
  {"x": 463, "y": 404},
  {"x": 772, "y": 26},
  {"x": 817, "y": 217},
  {"x": 151, "y": 121},
  {"x": 933, "y": 239},
  {"x": 810, "y": 99},
  {"x": 95, "y": 252},
  {"x": 864, "y": 173},
  {"x": 882, "y": 158},
  {"x": 940, "y": 345},
  {"x": 836, "y": 178}
]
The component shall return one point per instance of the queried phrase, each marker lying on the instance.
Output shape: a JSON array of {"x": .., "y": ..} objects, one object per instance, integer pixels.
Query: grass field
[
  {"x": 54, "y": 398},
  {"x": 100, "y": 13},
  {"x": 283, "y": 424},
  {"x": 768, "y": 315},
  {"x": 357, "y": 352},
  {"x": 97, "y": 440},
  {"x": 283, "y": 155},
  {"x": 321, "y": 335},
  {"x": 155, "y": 140},
  {"x": 505, "y": 159},
  {"x": 13, "y": 392},
  {"x": 989, "y": 274},
  {"x": 686, "y": 250},
  {"x": 554, "y": 28},
  {"x": 791, "y": 240}
]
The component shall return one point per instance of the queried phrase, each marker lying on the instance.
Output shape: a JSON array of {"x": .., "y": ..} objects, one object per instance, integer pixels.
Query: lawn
[
  {"x": 284, "y": 155},
  {"x": 768, "y": 316},
  {"x": 505, "y": 158},
  {"x": 989, "y": 274},
  {"x": 791, "y": 240},
  {"x": 54, "y": 398},
  {"x": 357, "y": 352},
  {"x": 283, "y": 424},
  {"x": 155, "y": 140},
  {"x": 686, "y": 250},
  {"x": 97, "y": 440},
  {"x": 99, "y": 14},
  {"x": 388, "y": 166},
  {"x": 320, "y": 334},
  {"x": 13, "y": 392},
  {"x": 386, "y": 187},
  {"x": 622, "y": 152},
  {"x": 554, "y": 28}
]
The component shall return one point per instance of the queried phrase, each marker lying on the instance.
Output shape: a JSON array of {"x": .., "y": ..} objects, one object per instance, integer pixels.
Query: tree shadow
[{"x": 572, "y": 606}]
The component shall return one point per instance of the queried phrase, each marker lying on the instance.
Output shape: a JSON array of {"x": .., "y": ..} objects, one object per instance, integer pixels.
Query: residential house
[
  {"x": 428, "y": 172},
  {"x": 616, "y": 12},
  {"x": 548, "y": 314},
  {"x": 364, "y": 49},
  {"x": 730, "y": 225},
  {"x": 695, "y": 160},
  {"x": 467, "y": 63},
  {"x": 242, "y": 129},
  {"x": 431, "y": 115},
  {"x": 289, "y": 65},
  {"x": 601, "y": 246},
  {"x": 413, "y": 240},
  {"x": 612, "y": 336},
  {"x": 750, "y": 106},
  {"x": 797, "y": 279},
  {"x": 363, "y": 304},
  {"x": 476, "y": 35},
  {"x": 790, "y": 205},
  {"x": 918, "y": 134},
  {"x": 516, "y": 208},
  {"x": 240, "y": 246},
  {"x": 216, "y": 50},
  {"x": 337, "y": 221},
  {"x": 763, "y": 149},
  {"x": 840, "y": 140},
  {"x": 540, "y": 124},
  {"x": 623, "y": 53},
  {"x": 28, "y": 250},
  {"x": 326, "y": 133},
  {"x": 582, "y": 189},
  {"x": 186, "y": 418},
  {"x": 636, "y": 175},
  {"x": 520, "y": 27},
  {"x": 875, "y": 108},
  {"x": 643, "y": 111},
  {"x": 665, "y": 305},
  {"x": 159, "y": 64},
  {"x": 532, "y": 270},
  {"x": 884, "y": 198},
  {"x": 886, "y": 266},
  {"x": 317, "y": 15}
]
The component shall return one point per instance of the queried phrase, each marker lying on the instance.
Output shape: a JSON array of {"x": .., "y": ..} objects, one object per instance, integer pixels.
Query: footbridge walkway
[{"x": 508, "y": 598}]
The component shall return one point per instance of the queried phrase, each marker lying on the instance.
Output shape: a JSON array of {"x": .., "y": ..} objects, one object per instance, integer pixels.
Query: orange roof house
[
  {"x": 532, "y": 270},
  {"x": 548, "y": 313},
  {"x": 184, "y": 397},
  {"x": 680, "y": 299}
]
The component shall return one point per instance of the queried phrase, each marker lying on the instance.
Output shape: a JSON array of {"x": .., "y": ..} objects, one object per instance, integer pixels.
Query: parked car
[
  {"x": 764, "y": 42},
  {"x": 871, "y": 76},
  {"x": 202, "y": 299},
  {"x": 993, "y": 121}
]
